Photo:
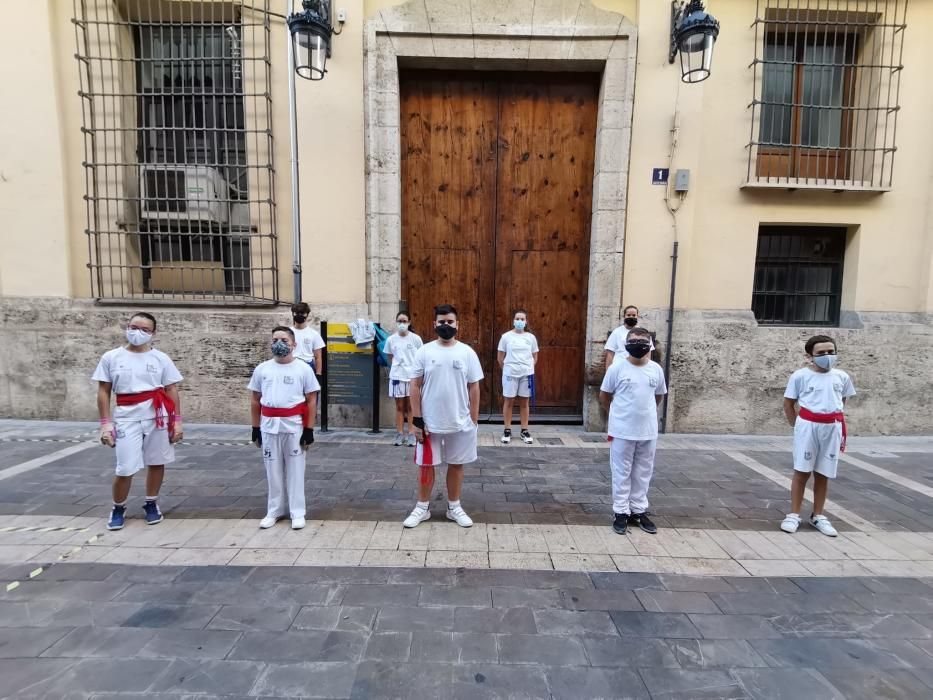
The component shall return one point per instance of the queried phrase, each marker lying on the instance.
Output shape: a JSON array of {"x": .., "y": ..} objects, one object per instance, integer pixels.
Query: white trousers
[
  {"x": 632, "y": 464},
  {"x": 285, "y": 471}
]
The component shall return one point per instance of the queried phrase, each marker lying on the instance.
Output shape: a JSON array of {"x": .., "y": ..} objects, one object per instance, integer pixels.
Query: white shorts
[
  {"x": 449, "y": 448},
  {"x": 515, "y": 386},
  {"x": 139, "y": 444},
  {"x": 816, "y": 447},
  {"x": 399, "y": 389}
]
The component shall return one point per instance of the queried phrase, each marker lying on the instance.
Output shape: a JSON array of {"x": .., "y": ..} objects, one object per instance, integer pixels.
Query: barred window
[
  {"x": 798, "y": 275},
  {"x": 826, "y": 75},
  {"x": 178, "y": 144}
]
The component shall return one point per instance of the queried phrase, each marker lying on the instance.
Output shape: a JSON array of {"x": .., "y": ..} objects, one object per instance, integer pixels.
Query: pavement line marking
[
  {"x": 42, "y": 461},
  {"x": 13, "y": 585},
  {"x": 23, "y": 528},
  {"x": 856, "y": 521},
  {"x": 890, "y": 476}
]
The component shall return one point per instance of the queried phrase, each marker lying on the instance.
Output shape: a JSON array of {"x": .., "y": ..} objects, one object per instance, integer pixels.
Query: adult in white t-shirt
[
  {"x": 819, "y": 429},
  {"x": 309, "y": 344},
  {"x": 445, "y": 403},
  {"x": 146, "y": 421},
  {"x": 517, "y": 355},
  {"x": 615, "y": 346},
  {"x": 282, "y": 407},
  {"x": 631, "y": 392},
  {"x": 401, "y": 347}
]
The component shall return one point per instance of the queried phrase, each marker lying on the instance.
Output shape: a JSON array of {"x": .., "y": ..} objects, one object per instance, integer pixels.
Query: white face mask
[
  {"x": 826, "y": 361},
  {"x": 137, "y": 337},
  {"x": 402, "y": 327}
]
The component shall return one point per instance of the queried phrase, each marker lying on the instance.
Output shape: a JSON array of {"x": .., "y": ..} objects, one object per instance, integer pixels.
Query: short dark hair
[
  {"x": 818, "y": 339},
  {"x": 444, "y": 309},
  {"x": 519, "y": 311},
  {"x": 630, "y": 306},
  {"x": 403, "y": 313},
  {"x": 284, "y": 328},
  {"x": 146, "y": 315},
  {"x": 639, "y": 331},
  {"x": 301, "y": 307}
]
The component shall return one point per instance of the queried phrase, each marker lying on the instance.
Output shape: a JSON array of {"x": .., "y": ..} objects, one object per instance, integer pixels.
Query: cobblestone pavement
[{"x": 539, "y": 599}]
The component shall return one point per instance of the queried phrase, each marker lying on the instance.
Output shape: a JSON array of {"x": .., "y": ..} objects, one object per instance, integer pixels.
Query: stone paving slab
[
  {"x": 696, "y": 485},
  {"x": 116, "y": 631}
]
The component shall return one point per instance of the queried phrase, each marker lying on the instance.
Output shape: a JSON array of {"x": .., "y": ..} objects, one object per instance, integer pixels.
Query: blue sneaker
[
  {"x": 117, "y": 516},
  {"x": 153, "y": 514}
]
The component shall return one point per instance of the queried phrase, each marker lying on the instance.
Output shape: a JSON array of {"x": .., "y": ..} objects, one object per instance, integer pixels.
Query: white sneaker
[
  {"x": 268, "y": 522},
  {"x": 417, "y": 516},
  {"x": 459, "y": 516},
  {"x": 412, "y": 441},
  {"x": 399, "y": 440},
  {"x": 821, "y": 523},
  {"x": 790, "y": 523},
  {"x": 526, "y": 437},
  {"x": 506, "y": 437},
  {"x": 298, "y": 523}
]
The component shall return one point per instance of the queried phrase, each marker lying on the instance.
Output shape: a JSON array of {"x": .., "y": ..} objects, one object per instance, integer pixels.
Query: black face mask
[
  {"x": 638, "y": 348},
  {"x": 630, "y": 322},
  {"x": 445, "y": 332},
  {"x": 300, "y": 318}
]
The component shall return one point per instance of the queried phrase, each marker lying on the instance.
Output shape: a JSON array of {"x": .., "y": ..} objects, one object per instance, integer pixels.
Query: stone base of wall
[
  {"x": 727, "y": 373},
  {"x": 49, "y": 348}
]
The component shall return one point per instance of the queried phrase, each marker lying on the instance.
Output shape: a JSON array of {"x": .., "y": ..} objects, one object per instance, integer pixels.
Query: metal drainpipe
[
  {"x": 670, "y": 336},
  {"x": 296, "y": 204}
]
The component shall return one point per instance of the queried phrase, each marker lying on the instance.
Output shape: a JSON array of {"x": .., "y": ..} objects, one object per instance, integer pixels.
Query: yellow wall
[
  {"x": 34, "y": 239},
  {"x": 888, "y": 260}
]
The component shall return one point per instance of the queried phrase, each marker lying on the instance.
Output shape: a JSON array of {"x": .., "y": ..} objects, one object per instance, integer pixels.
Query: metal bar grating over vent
[
  {"x": 826, "y": 79},
  {"x": 178, "y": 150}
]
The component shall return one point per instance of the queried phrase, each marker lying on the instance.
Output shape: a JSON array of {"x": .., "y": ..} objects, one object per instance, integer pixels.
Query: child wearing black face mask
[
  {"x": 615, "y": 346},
  {"x": 630, "y": 393},
  {"x": 308, "y": 342}
]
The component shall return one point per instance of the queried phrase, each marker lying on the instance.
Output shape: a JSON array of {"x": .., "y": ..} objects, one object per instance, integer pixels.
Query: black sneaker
[
  {"x": 641, "y": 519},
  {"x": 620, "y": 524}
]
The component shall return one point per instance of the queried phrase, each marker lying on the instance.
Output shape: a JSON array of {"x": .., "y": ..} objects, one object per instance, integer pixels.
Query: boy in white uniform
[
  {"x": 401, "y": 347},
  {"x": 147, "y": 418},
  {"x": 445, "y": 403},
  {"x": 518, "y": 356},
  {"x": 308, "y": 342},
  {"x": 631, "y": 392},
  {"x": 282, "y": 407},
  {"x": 819, "y": 429}
]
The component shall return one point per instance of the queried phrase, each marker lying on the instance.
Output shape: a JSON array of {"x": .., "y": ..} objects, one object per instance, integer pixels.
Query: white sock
[
  {"x": 794, "y": 515},
  {"x": 424, "y": 504},
  {"x": 119, "y": 504},
  {"x": 453, "y": 504}
]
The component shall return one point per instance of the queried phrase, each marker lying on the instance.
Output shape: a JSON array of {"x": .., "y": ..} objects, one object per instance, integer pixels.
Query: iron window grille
[
  {"x": 178, "y": 150},
  {"x": 798, "y": 275},
  {"x": 826, "y": 80}
]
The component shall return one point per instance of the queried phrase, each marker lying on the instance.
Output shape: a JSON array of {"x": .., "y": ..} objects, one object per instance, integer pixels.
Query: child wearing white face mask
[
  {"x": 146, "y": 421},
  {"x": 819, "y": 429},
  {"x": 517, "y": 355},
  {"x": 401, "y": 347}
]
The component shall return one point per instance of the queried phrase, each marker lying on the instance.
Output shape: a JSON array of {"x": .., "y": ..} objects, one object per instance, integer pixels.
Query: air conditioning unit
[{"x": 183, "y": 193}]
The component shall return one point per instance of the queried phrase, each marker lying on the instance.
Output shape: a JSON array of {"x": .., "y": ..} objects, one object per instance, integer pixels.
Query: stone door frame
[{"x": 476, "y": 35}]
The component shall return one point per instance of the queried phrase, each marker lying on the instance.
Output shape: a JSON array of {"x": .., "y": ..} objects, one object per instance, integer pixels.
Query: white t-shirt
[
  {"x": 307, "y": 340},
  {"x": 820, "y": 392},
  {"x": 133, "y": 372},
  {"x": 616, "y": 343},
  {"x": 445, "y": 398},
  {"x": 633, "y": 414},
  {"x": 283, "y": 385},
  {"x": 402, "y": 348},
  {"x": 518, "y": 349}
]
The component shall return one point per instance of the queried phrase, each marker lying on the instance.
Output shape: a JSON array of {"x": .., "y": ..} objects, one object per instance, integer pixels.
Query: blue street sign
[{"x": 659, "y": 176}]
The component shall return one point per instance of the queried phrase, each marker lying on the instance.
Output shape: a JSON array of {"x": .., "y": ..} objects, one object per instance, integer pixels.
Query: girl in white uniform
[
  {"x": 401, "y": 347},
  {"x": 146, "y": 421},
  {"x": 283, "y": 404},
  {"x": 518, "y": 356}
]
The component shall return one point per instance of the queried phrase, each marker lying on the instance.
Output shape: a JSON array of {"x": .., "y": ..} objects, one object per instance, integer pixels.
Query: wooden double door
[{"x": 497, "y": 174}]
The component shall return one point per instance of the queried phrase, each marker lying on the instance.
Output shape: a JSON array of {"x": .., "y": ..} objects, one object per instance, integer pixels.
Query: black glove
[
  {"x": 307, "y": 436},
  {"x": 418, "y": 422},
  {"x": 257, "y": 437},
  {"x": 320, "y": 378}
]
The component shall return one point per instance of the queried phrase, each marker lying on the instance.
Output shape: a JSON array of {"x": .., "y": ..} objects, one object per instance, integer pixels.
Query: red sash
[
  {"x": 160, "y": 402},
  {"x": 838, "y": 417},
  {"x": 299, "y": 409},
  {"x": 427, "y": 461}
]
